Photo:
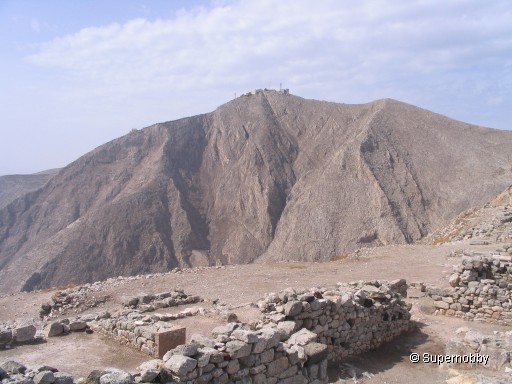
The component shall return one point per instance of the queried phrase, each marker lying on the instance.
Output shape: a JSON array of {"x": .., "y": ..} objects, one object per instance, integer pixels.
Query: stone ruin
[
  {"x": 77, "y": 299},
  {"x": 297, "y": 335},
  {"x": 155, "y": 333},
  {"x": 150, "y": 302},
  {"x": 350, "y": 318},
  {"x": 481, "y": 290}
]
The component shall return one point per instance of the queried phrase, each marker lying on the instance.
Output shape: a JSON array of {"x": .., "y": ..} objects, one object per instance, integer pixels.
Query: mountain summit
[{"x": 265, "y": 177}]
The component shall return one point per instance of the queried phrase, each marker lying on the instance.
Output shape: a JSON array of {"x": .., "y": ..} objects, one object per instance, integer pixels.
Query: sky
[{"x": 77, "y": 74}]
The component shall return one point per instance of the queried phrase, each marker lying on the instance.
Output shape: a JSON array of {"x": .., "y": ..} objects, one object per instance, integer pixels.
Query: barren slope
[
  {"x": 14, "y": 186},
  {"x": 264, "y": 177},
  {"x": 406, "y": 173}
]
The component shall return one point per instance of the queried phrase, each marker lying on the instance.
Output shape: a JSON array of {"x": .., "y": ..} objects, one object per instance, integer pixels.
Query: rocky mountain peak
[{"x": 268, "y": 176}]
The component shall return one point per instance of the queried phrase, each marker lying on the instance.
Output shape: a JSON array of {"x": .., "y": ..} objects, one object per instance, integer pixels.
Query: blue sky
[{"x": 76, "y": 74}]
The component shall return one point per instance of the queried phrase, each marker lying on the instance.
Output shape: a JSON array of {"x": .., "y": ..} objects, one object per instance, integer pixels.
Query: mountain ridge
[
  {"x": 264, "y": 177},
  {"x": 14, "y": 186}
]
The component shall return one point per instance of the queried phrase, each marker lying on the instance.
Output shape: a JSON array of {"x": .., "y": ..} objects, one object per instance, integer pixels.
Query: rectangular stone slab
[{"x": 167, "y": 340}]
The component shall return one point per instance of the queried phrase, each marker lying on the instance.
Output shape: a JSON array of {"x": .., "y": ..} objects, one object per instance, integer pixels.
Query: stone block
[
  {"x": 278, "y": 366},
  {"x": 25, "y": 333},
  {"x": 302, "y": 337},
  {"x": 245, "y": 336},
  {"x": 130, "y": 301},
  {"x": 202, "y": 340},
  {"x": 285, "y": 329},
  {"x": 44, "y": 377},
  {"x": 267, "y": 356},
  {"x": 167, "y": 340},
  {"x": 3, "y": 374},
  {"x": 271, "y": 335},
  {"x": 292, "y": 308},
  {"x": 54, "y": 329},
  {"x": 441, "y": 305},
  {"x": 180, "y": 365},
  {"x": 237, "y": 349},
  {"x": 116, "y": 376},
  {"x": 5, "y": 336},
  {"x": 77, "y": 326},
  {"x": 62, "y": 378},
  {"x": 454, "y": 279},
  {"x": 13, "y": 367},
  {"x": 316, "y": 352}
]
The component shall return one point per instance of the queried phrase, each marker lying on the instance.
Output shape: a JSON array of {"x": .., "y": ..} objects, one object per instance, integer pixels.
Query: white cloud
[
  {"x": 251, "y": 39},
  {"x": 447, "y": 56}
]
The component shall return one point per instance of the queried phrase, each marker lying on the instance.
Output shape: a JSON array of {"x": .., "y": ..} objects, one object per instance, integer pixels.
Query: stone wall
[
  {"x": 480, "y": 290},
  {"x": 349, "y": 319},
  {"x": 238, "y": 355},
  {"x": 153, "y": 335},
  {"x": 298, "y": 334},
  {"x": 151, "y": 302}
]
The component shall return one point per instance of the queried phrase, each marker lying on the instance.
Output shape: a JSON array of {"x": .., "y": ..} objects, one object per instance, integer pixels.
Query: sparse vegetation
[{"x": 339, "y": 257}]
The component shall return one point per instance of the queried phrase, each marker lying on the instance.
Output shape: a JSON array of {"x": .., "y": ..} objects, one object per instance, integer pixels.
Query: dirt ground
[{"x": 238, "y": 286}]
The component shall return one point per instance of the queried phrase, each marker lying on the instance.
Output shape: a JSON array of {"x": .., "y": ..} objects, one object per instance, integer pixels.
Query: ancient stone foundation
[
  {"x": 349, "y": 319},
  {"x": 153, "y": 337},
  {"x": 298, "y": 334},
  {"x": 155, "y": 334},
  {"x": 150, "y": 302},
  {"x": 481, "y": 290}
]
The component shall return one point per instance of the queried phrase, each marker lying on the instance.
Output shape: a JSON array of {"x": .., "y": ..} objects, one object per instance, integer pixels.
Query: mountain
[
  {"x": 14, "y": 186},
  {"x": 266, "y": 177}
]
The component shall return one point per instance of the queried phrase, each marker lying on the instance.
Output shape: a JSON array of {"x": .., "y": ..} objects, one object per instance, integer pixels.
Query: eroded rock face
[{"x": 264, "y": 177}]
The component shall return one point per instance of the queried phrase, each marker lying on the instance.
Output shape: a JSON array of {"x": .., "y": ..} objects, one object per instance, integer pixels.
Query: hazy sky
[{"x": 76, "y": 74}]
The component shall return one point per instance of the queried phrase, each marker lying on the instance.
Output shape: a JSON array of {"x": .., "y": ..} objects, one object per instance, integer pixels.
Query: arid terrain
[
  {"x": 240, "y": 285},
  {"x": 265, "y": 177},
  {"x": 268, "y": 192}
]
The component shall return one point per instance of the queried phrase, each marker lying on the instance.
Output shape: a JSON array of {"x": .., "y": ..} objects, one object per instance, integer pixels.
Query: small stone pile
[
  {"x": 481, "y": 290},
  {"x": 17, "y": 373},
  {"x": 21, "y": 332},
  {"x": 77, "y": 324},
  {"x": 349, "y": 319},
  {"x": 498, "y": 346},
  {"x": 151, "y": 302},
  {"x": 78, "y": 299},
  {"x": 497, "y": 230}
]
